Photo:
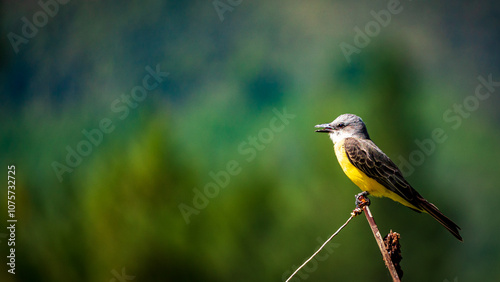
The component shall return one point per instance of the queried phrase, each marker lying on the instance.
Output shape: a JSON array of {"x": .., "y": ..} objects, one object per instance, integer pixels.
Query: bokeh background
[{"x": 118, "y": 211}]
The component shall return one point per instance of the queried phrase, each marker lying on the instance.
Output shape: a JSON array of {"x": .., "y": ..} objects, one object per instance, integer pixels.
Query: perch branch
[{"x": 363, "y": 203}]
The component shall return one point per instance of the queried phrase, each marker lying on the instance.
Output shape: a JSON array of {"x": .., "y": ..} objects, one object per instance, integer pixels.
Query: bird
[{"x": 373, "y": 171}]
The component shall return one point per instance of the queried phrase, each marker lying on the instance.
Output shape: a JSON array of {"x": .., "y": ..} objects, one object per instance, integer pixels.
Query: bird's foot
[{"x": 362, "y": 199}]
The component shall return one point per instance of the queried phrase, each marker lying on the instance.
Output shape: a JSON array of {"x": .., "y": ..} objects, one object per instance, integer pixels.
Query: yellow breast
[
  {"x": 359, "y": 178},
  {"x": 363, "y": 181}
]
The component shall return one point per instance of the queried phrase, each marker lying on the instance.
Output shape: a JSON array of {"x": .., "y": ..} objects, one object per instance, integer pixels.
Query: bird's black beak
[{"x": 324, "y": 128}]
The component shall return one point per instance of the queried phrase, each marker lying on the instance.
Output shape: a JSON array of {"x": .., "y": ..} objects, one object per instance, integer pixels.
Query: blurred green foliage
[{"x": 118, "y": 211}]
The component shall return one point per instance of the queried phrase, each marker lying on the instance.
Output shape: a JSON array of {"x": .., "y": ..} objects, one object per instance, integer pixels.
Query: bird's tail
[{"x": 441, "y": 218}]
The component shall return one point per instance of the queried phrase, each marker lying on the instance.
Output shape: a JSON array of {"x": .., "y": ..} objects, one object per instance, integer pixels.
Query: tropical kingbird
[{"x": 372, "y": 170}]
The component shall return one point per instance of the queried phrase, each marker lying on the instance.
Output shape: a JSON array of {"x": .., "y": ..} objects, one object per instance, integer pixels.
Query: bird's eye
[{"x": 341, "y": 125}]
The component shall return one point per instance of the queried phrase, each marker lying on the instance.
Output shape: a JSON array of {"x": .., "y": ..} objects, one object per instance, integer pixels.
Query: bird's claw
[{"x": 362, "y": 199}]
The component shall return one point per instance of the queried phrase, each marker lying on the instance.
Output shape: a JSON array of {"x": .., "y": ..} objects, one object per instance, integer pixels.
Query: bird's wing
[{"x": 368, "y": 158}]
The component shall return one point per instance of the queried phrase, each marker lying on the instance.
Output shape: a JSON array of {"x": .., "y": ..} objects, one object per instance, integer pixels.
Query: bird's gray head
[{"x": 344, "y": 126}]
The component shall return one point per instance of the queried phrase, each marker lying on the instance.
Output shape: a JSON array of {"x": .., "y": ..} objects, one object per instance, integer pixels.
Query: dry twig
[
  {"x": 363, "y": 203},
  {"x": 354, "y": 213},
  {"x": 392, "y": 245}
]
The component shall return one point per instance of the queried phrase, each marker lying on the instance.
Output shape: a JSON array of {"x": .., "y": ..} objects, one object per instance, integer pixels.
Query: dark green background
[{"x": 119, "y": 208}]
